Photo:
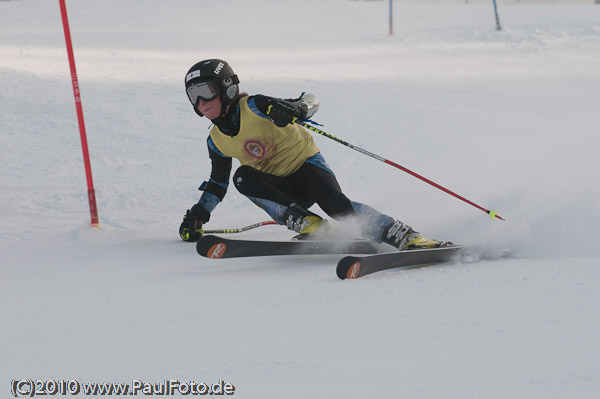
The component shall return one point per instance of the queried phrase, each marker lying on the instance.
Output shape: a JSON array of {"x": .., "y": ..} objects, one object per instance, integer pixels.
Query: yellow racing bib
[{"x": 278, "y": 151}]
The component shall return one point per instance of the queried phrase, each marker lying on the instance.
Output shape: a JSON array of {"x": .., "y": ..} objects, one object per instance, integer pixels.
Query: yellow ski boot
[
  {"x": 307, "y": 224},
  {"x": 403, "y": 237}
]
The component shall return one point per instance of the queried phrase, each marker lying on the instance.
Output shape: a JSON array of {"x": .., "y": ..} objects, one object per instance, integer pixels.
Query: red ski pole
[
  {"x": 410, "y": 172},
  {"x": 78, "y": 107}
]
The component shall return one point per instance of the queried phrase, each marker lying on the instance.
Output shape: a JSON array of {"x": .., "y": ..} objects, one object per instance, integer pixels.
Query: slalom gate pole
[
  {"x": 498, "y": 27},
  {"x": 410, "y": 172},
  {"x": 238, "y": 230},
  {"x": 391, "y": 20},
  {"x": 78, "y": 107}
]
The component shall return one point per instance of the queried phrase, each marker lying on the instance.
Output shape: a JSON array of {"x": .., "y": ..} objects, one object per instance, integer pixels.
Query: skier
[{"x": 282, "y": 170}]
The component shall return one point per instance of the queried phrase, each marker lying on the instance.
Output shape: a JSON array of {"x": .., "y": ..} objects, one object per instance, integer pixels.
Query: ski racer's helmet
[{"x": 211, "y": 78}]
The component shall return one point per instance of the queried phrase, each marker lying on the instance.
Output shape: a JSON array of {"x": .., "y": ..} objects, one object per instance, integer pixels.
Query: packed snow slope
[{"x": 507, "y": 119}]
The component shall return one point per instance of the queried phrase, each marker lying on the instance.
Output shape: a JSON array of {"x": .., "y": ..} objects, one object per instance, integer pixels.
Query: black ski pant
[{"x": 308, "y": 185}]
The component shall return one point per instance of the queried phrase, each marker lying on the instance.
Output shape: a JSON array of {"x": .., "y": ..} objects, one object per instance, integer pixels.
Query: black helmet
[{"x": 209, "y": 79}]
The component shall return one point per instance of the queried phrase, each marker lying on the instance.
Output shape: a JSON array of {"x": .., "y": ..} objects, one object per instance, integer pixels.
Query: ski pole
[
  {"x": 410, "y": 172},
  {"x": 238, "y": 230}
]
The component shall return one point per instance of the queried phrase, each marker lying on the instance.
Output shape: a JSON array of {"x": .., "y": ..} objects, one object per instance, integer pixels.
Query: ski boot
[
  {"x": 403, "y": 237},
  {"x": 305, "y": 223}
]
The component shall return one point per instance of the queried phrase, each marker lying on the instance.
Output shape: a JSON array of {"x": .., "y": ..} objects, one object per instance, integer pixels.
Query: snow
[{"x": 507, "y": 119}]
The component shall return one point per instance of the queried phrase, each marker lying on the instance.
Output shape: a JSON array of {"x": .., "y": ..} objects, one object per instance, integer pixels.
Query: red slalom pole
[
  {"x": 78, "y": 107},
  {"x": 410, "y": 172}
]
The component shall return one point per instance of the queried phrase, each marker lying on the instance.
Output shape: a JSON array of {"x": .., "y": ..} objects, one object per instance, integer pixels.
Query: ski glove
[
  {"x": 192, "y": 222},
  {"x": 283, "y": 112}
]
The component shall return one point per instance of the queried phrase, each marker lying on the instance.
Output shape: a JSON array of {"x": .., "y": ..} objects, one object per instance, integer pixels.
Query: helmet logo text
[{"x": 218, "y": 68}]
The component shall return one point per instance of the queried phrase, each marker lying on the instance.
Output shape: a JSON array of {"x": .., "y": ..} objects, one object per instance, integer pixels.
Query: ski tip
[
  {"x": 211, "y": 247},
  {"x": 348, "y": 268},
  {"x": 353, "y": 271},
  {"x": 216, "y": 251}
]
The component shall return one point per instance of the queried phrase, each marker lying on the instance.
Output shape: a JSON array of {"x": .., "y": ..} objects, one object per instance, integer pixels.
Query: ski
[
  {"x": 351, "y": 267},
  {"x": 215, "y": 247}
]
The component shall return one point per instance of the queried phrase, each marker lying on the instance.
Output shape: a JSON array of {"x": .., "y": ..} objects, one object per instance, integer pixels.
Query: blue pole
[{"x": 497, "y": 17}]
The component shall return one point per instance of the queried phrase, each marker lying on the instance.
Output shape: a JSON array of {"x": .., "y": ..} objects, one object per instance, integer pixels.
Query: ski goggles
[{"x": 206, "y": 91}]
